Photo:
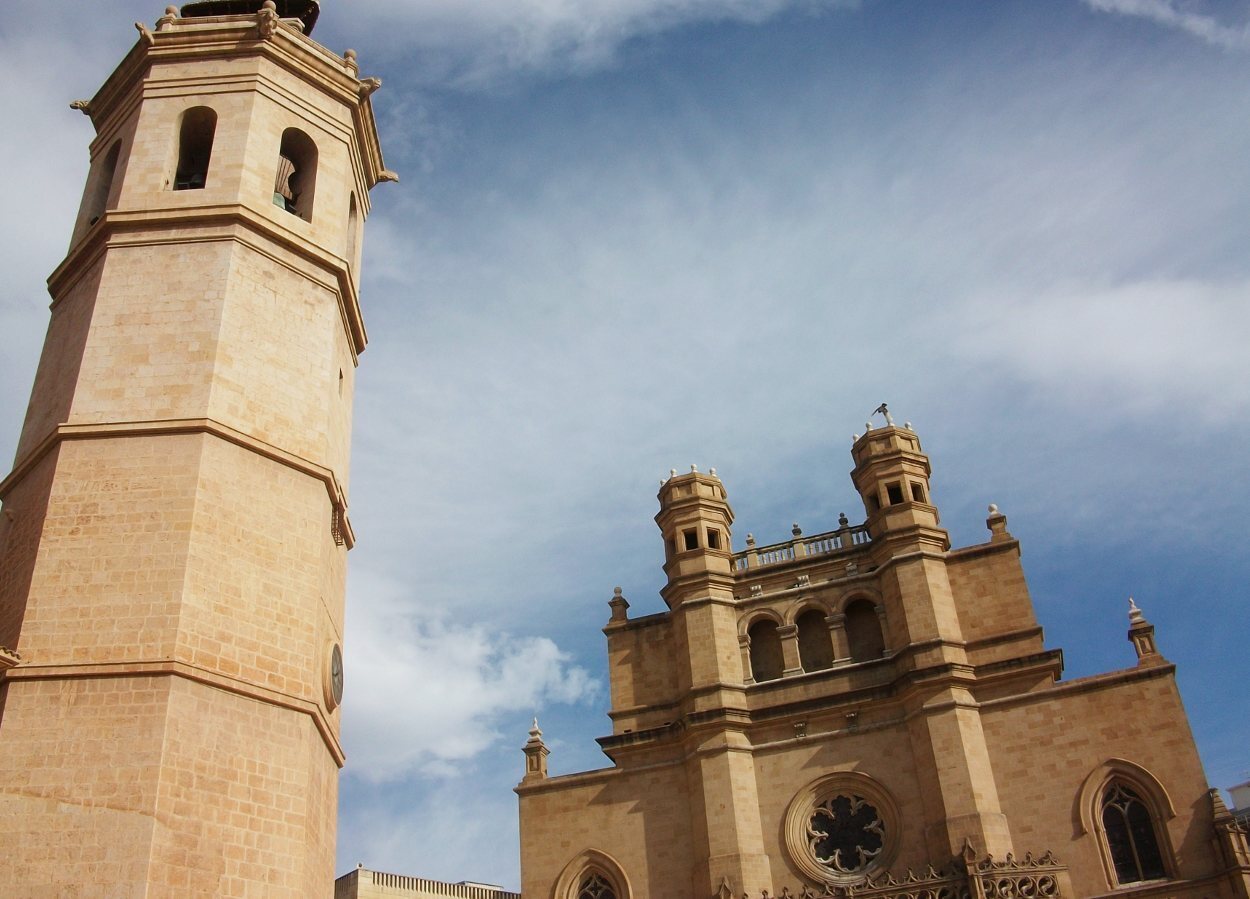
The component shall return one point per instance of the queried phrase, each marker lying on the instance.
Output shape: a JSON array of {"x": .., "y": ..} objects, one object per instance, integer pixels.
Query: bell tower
[{"x": 174, "y": 534}]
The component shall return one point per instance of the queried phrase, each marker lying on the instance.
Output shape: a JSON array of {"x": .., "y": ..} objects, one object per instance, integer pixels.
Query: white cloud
[
  {"x": 425, "y": 692},
  {"x": 474, "y": 44},
  {"x": 1183, "y": 15},
  {"x": 1152, "y": 347}
]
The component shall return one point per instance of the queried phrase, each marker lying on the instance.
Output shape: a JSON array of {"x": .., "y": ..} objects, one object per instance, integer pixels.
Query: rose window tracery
[
  {"x": 842, "y": 828},
  {"x": 845, "y": 833}
]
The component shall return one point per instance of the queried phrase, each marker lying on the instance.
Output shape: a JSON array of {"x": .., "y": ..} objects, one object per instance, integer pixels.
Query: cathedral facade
[{"x": 869, "y": 712}]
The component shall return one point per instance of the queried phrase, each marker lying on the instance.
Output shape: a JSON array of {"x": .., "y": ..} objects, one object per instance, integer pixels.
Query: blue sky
[{"x": 633, "y": 235}]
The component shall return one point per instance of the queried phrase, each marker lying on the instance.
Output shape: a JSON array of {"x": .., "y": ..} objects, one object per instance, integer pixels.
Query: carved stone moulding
[{"x": 304, "y": 10}]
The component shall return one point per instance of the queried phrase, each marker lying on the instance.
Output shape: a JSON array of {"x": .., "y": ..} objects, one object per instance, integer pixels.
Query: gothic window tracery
[
  {"x": 1129, "y": 829},
  {"x": 594, "y": 886}
]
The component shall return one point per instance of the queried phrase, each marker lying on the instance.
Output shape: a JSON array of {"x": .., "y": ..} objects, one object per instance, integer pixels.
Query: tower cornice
[
  {"x": 31, "y": 671},
  {"x": 231, "y": 37},
  {"x": 61, "y": 433}
]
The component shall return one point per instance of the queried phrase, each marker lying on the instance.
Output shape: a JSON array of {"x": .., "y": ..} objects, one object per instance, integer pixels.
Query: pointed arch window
[
  {"x": 595, "y": 886},
  {"x": 1132, "y": 841},
  {"x": 592, "y": 874}
]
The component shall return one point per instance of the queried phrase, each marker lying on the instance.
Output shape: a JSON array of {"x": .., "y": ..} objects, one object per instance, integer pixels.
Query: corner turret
[
  {"x": 892, "y": 476},
  {"x": 695, "y": 520}
]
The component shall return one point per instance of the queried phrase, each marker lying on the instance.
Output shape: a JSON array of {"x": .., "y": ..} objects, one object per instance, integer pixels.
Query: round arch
[
  {"x": 754, "y": 617},
  {"x": 857, "y": 595},
  {"x": 805, "y": 605}
]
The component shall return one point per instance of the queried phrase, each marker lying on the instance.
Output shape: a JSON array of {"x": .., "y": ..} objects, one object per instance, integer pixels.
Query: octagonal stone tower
[{"x": 174, "y": 537}]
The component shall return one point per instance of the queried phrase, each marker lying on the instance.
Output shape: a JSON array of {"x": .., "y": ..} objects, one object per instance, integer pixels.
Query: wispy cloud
[
  {"x": 474, "y": 44},
  {"x": 1187, "y": 16},
  {"x": 1142, "y": 347}
]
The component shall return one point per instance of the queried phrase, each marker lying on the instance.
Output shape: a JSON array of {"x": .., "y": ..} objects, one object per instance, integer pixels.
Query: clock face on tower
[{"x": 334, "y": 677}]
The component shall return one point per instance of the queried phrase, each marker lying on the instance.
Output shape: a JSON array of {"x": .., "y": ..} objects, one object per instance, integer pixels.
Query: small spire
[
  {"x": 536, "y": 753},
  {"x": 1141, "y": 633}
]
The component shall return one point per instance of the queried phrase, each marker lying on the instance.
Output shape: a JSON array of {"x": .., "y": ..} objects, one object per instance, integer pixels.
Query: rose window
[
  {"x": 846, "y": 833},
  {"x": 842, "y": 828}
]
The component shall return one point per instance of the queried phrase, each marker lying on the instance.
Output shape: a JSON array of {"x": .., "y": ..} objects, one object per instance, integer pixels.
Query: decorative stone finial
[
  {"x": 301, "y": 13},
  {"x": 619, "y": 605},
  {"x": 750, "y": 539},
  {"x": 1141, "y": 633},
  {"x": 349, "y": 54},
  {"x": 712, "y": 472},
  {"x": 907, "y": 426},
  {"x": 693, "y": 467},
  {"x": 672, "y": 472},
  {"x": 536, "y": 753},
  {"x": 796, "y": 530},
  {"x": 867, "y": 426},
  {"x": 997, "y": 523},
  {"x": 854, "y": 438},
  {"x": 843, "y": 521}
]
